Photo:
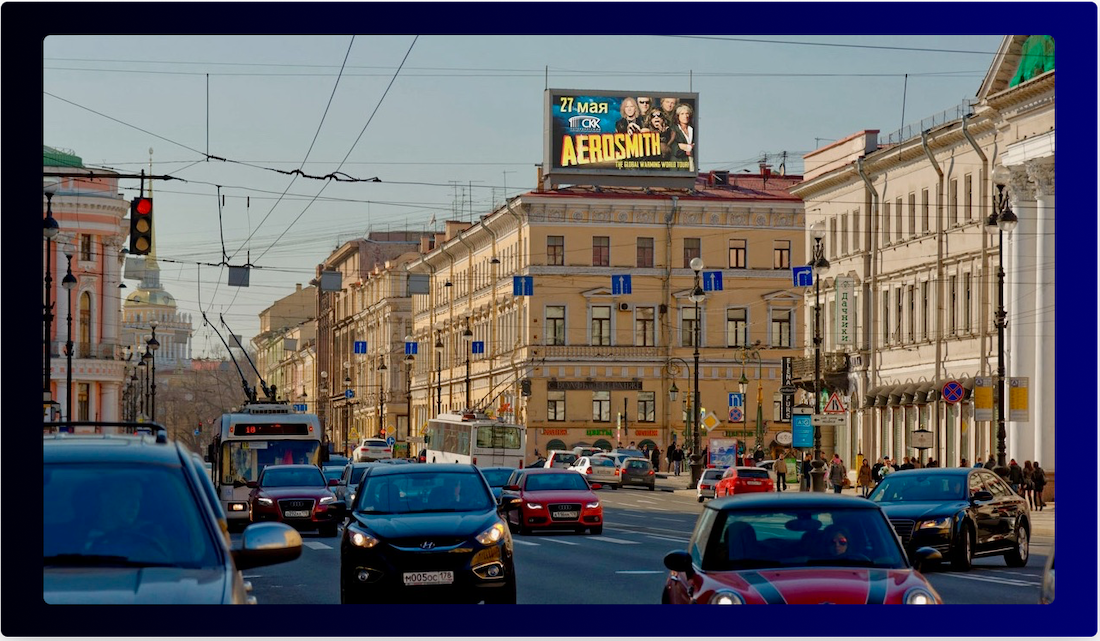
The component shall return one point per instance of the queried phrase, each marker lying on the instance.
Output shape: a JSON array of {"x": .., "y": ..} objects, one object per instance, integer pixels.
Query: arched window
[
  {"x": 647, "y": 443},
  {"x": 603, "y": 444},
  {"x": 85, "y": 325},
  {"x": 555, "y": 444}
]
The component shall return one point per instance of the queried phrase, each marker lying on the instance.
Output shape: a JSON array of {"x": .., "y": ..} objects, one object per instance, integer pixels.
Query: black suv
[{"x": 129, "y": 517}]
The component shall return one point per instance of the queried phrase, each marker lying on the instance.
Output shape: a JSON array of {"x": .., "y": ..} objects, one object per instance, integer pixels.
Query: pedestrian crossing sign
[{"x": 835, "y": 405}]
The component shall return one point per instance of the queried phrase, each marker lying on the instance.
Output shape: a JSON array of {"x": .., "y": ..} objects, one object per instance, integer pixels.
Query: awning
[{"x": 926, "y": 393}]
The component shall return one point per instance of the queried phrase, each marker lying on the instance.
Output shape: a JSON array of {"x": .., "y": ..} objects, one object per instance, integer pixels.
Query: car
[
  {"x": 739, "y": 479},
  {"x": 298, "y": 495},
  {"x": 638, "y": 471},
  {"x": 560, "y": 459},
  {"x": 705, "y": 489},
  {"x": 426, "y": 533},
  {"x": 497, "y": 478},
  {"x": 337, "y": 460},
  {"x": 619, "y": 455},
  {"x": 768, "y": 465},
  {"x": 539, "y": 462},
  {"x": 348, "y": 482},
  {"x": 1046, "y": 589},
  {"x": 332, "y": 471},
  {"x": 962, "y": 512},
  {"x": 372, "y": 449},
  {"x": 582, "y": 450},
  {"x": 796, "y": 548},
  {"x": 132, "y": 519},
  {"x": 598, "y": 469},
  {"x": 553, "y": 499}
]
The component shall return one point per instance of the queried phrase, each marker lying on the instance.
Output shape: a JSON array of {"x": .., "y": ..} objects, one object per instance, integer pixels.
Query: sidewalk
[{"x": 1042, "y": 522}]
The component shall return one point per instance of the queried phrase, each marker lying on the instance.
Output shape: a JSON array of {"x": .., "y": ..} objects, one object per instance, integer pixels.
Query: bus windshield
[{"x": 243, "y": 460}]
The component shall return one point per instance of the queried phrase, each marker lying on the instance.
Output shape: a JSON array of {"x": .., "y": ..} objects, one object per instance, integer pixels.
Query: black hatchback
[
  {"x": 962, "y": 512},
  {"x": 426, "y": 534}
]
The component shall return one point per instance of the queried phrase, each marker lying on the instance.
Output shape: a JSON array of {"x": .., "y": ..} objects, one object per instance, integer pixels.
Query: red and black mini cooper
[{"x": 297, "y": 495}]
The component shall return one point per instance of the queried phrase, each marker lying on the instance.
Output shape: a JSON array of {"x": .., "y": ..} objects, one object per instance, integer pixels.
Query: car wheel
[
  {"x": 700, "y": 499},
  {"x": 1017, "y": 556},
  {"x": 652, "y": 487},
  {"x": 964, "y": 550},
  {"x": 597, "y": 530}
]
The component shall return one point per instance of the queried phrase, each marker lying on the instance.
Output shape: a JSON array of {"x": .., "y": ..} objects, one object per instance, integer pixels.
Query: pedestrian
[
  {"x": 780, "y": 468},
  {"x": 886, "y": 468},
  {"x": 962, "y": 463},
  {"x": 1029, "y": 484},
  {"x": 1015, "y": 476},
  {"x": 1039, "y": 478},
  {"x": 905, "y": 464},
  {"x": 669, "y": 455},
  {"x": 991, "y": 463},
  {"x": 807, "y": 465},
  {"x": 863, "y": 479},
  {"x": 678, "y": 459},
  {"x": 837, "y": 473},
  {"x": 655, "y": 458},
  {"x": 978, "y": 462}
]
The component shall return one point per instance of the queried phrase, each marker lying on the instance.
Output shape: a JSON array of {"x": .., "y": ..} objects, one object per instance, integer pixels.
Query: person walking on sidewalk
[
  {"x": 670, "y": 455},
  {"x": 1029, "y": 484},
  {"x": 837, "y": 474},
  {"x": 678, "y": 459},
  {"x": 1039, "y": 478},
  {"x": 863, "y": 479},
  {"x": 806, "y": 467},
  {"x": 655, "y": 458},
  {"x": 780, "y": 474},
  {"x": 1015, "y": 476}
]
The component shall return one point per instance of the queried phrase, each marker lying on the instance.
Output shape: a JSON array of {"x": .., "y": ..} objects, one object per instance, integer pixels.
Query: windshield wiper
[{"x": 101, "y": 560}]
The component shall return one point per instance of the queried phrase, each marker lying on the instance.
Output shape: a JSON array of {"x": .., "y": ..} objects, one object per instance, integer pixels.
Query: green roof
[{"x": 56, "y": 158}]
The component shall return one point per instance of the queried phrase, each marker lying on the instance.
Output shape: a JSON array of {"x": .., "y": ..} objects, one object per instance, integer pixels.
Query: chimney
[{"x": 765, "y": 169}]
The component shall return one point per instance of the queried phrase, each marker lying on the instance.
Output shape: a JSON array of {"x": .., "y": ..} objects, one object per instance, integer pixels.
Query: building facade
[
  {"x": 288, "y": 331},
  {"x": 905, "y": 233}
]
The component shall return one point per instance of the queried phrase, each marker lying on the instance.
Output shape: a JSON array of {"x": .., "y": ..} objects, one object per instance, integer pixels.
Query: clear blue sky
[{"x": 449, "y": 124}]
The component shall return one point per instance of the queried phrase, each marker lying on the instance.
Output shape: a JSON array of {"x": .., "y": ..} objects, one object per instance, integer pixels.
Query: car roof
[
  {"x": 499, "y": 467},
  {"x": 291, "y": 466},
  {"x": 550, "y": 470},
  {"x": 954, "y": 471},
  {"x": 792, "y": 500},
  {"x": 121, "y": 448},
  {"x": 420, "y": 468}
]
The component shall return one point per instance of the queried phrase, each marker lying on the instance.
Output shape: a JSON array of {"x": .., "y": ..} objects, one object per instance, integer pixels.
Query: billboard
[{"x": 619, "y": 133}]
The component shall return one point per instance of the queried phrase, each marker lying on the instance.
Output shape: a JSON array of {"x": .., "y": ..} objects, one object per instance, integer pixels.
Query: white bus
[
  {"x": 261, "y": 434},
  {"x": 472, "y": 437}
]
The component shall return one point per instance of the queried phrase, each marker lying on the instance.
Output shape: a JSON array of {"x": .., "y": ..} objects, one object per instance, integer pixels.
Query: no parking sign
[{"x": 953, "y": 392}]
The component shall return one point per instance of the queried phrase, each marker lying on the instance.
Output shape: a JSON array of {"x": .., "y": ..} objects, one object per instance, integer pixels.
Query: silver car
[
  {"x": 707, "y": 482},
  {"x": 599, "y": 469}
]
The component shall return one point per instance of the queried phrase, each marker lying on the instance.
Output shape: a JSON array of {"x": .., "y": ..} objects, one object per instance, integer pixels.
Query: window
[
  {"x": 844, "y": 233},
  {"x": 84, "y": 312},
  {"x": 781, "y": 249},
  {"x": 83, "y": 410},
  {"x": 924, "y": 310},
  {"x": 555, "y": 325},
  {"x": 555, "y": 250},
  {"x": 601, "y": 407},
  {"x": 953, "y": 202},
  {"x": 647, "y": 407},
  {"x": 738, "y": 251},
  {"x": 855, "y": 230},
  {"x": 912, "y": 314},
  {"x": 966, "y": 303},
  {"x": 924, "y": 215},
  {"x": 601, "y": 325},
  {"x": 968, "y": 197},
  {"x": 953, "y": 293},
  {"x": 737, "y": 327},
  {"x": 832, "y": 236},
  {"x": 899, "y": 214},
  {"x": 912, "y": 214},
  {"x": 692, "y": 249},
  {"x": 897, "y": 314},
  {"x": 885, "y": 223},
  {"x": 601, "y": 251},
  {"x": 644, "y": 327},
  {"x": 781, "y": 327},
  {"x": 687, "y": 325},
  {"x": 645, "y": 252},
  {"x": 86, "y": 247},
  {"x": 886, "y": 317},
  {"x": 555, "y": 406}
]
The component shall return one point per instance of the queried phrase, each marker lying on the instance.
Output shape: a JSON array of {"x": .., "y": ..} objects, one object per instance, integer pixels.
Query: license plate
[
  {"x": 754, "y": 483},
  {"x": 296, "y": 514},
  {"x": 565, "y": 515},
  {"x": 442, "y": 577}
]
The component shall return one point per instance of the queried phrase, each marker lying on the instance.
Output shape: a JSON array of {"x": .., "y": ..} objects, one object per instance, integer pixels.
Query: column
[
  {"x": 1042, "y": 381},
  {"x": 1021, "y": 248},
  {"x": 109, "y": 400}
]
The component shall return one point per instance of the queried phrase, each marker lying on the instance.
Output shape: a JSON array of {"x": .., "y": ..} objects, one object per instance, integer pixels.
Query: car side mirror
[
  {"x": 982, "y": 495},
  {"x": 511, "y": 488},
  {"x": 596, "y": 486},
  {"x": 252, "y": 483},
  {"x": 266, "y": 544},
  {"x": 925, "y": 557},
  {"x": 332, "y": 482},
  {"x": 679, "y": 561}
]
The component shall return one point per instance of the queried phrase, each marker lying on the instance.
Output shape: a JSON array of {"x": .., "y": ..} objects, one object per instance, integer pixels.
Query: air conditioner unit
[{"x": 625, "y": 307}]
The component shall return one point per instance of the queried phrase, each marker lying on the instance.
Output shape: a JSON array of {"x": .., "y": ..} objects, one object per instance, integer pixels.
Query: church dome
[{"x": 151, "y": 297}]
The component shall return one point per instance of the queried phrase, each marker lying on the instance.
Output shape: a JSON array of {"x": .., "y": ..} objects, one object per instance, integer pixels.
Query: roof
[
  {"x": 792, "y": 500},
  {"x": 52, "y": 157},
  {"x": 953, "y": 471},
  {"x": 107, "y": 448},
  {"x": 744, "y": 187},
  {"x": 375, "y": 470}
]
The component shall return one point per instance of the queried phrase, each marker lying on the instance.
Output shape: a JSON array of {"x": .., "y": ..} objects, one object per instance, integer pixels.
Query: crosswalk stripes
[
  {"x": 611, "y": 540},
  {"x": 316, "y": 545}
]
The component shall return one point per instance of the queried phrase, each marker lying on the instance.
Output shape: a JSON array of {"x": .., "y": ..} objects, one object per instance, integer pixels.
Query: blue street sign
[
  {"x": 360, "y": 347},
  {"x": 300, "y": 407},
  {"x": 802, "y": 430},
  {"x": 477, "y": 347},
  {"x": 803, "y": 275},
  {"x": 737, "y": 399},
  {"x": 620, "y": 284},
  {"x": 390, "y": 441},
  {"x": 349, "y": 393},
  {"x": 410, "y": 347},
  {"x": 523, "y": 285},
  {"x": 712, "y": 281}
]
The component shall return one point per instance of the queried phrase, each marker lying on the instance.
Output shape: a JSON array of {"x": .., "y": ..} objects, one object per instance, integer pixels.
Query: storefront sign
[
  {"x": 598, "y": 433},
  {"x": 594, "y": 386},
  {"x": 647, "y": 432},
  {"x": 546, "y": 431},
  {"x": 845, "y": 309}
]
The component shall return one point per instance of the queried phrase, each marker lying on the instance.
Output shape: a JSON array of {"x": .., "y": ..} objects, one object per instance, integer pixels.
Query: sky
[{"x": 450, "y": 125}]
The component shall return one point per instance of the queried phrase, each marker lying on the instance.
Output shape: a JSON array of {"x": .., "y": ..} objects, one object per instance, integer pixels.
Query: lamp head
[
  {"x": 69, "y": 281},
  {"x": 821, "y": 266},
  {"x": 1007, "y": 221},
  {"x": 1001, "y": 176},
  {"x": 382, "y": 367},
  {"x": 439, "y": 345},
  {"x": 347, "y": 381},
  {"x": 409, "y": 358},
  {"x": 153, "y": 343},
  {"x": 696, "y": 264},
  {"x": 817, "y": 231},
  {"x": 494, "y": 261},
  {"x": 673, "y": 392},
  {"x": 50, "y": 228},
  {"x": 991, "y": 224},
  {"x": 697, "y": 294}
]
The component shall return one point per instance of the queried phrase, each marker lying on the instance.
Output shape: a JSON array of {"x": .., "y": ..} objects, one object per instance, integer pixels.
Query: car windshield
[
  {"x": 123, "y": 516},
  {"x": 755, "y": 473},
  {"x": 637, "y": 465},
  {"x": 332, "y": 473},
  {"x": 423, "y": 492},
  {"x": 292, "y": 477},
  {"x": 570, "y": 481},
  {"x": 497, "y": 478},
  {"x": 357, "y": 473},
  {"x": 780, "y": 538},
  {"x": 242, "y": 461},
  {"x": 924, "y": 487},
  {"x": 602, "y": 462},
  {"x": 712, "y": 474},
  {"x": 565, "y": 457}
]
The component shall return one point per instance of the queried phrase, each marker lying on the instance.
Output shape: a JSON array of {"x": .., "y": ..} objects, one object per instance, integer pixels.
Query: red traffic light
[{"x": 143, "y": 206}]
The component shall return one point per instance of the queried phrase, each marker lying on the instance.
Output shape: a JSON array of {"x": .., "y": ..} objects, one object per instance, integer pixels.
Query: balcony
[
  {"x": 98, "y": 351},
  {"x": 834, "y": 371},
  {"x": 600, "y": 352}
]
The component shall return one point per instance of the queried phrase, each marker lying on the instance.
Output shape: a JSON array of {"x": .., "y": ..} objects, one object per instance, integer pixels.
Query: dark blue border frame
[{"x": 1074, "y": 28}]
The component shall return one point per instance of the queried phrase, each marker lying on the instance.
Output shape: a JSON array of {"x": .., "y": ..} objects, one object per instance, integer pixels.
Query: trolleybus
[{"x": 473, "y": 437}]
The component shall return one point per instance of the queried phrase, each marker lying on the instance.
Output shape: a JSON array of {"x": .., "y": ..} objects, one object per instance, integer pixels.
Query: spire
[{"x": 151, "y": 258}]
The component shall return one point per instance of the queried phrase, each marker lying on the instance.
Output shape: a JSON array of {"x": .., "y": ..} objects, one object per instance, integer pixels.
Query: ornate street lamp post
[
  {"x": 381, "y": 399},
  {"x": 347, "y": 411},
  {"x": 468, "y": 338},
  {"x": 820, "y": 267},
  {"x": 697, "y": 296},
  {"x": 438, "y": 373},
  {"x": 408, "y": 400},
  {"x": 69, "y": 283},
  {"x": 50, "y": 228},
  {"x": 1000, "y": 221},
  {"x": 153, "y": 345}
]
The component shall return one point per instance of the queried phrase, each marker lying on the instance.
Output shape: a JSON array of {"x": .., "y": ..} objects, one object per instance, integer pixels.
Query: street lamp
[
  {"x": 347, "y": 410},
  {"x": 142, "y": 393},
  {"x": 381, "y": 400},
  {"x": 438, "y": 372},
  {"x": 323, "y": 407},
  {"x": 50, "y": 228},
  {"x": 468, "y": 338},
  {"x": 697, "y": 296},
  {"x": 742, "y": 386},
  {"x": 673, "y": 391},
  {"x": 69, "y": 283},
  {"x": 1000, "y": 221},
  {"x": 154, "y": 345},
  {"x": 408, "y": 397},
  {"x": 820, "y": 266}
]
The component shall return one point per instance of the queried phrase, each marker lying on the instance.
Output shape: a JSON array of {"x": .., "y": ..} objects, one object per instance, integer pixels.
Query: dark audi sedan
[
  {"x": 426, "y": 534},
  {"x": 962, "y": 512}
]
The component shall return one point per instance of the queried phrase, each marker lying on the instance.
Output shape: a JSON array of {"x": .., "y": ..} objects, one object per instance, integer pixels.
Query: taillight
[
  {"x": 589, "y": 471},
  {"x": 651, "y": 472},
  {"x": 475, "y": 460},
  {"x": 616, "y": 471}
]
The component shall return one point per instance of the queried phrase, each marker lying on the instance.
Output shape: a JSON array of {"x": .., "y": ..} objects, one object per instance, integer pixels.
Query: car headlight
[
  {"x": 534, "y": 506},
  {"x": 492, "y": 535},
  {"x": 919, "y": 596},
  {"x": 325, "y": 500},
  {"x": 726, "y": 597},
  {"x": 593, "y": 504},
  {"x": 936, "y": 524},
  {"x": 263, "y": 501},
  {"x": 359, "y": 538}
]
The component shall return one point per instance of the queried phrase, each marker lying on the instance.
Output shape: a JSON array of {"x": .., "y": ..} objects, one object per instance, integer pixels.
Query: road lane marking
[
  {"x": 645, "y": 501},
  {"x": 611, "y": 540},
  {"x": 641, "y": 571},
  {"x": 667, "y": 538},
  {"x": 316, "y": 545},
  {"x": 665, "y": 518},
  {"x": 562, "y": 542},
  {"x": 521, "y": 542},
  {"x": 993, "y": 580}
]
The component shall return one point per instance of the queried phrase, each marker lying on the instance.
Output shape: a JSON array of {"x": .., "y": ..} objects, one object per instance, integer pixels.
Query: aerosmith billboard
[{"x": 614, "y": 133}]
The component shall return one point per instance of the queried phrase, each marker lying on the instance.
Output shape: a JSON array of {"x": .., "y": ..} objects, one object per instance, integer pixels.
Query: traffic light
[
  {"x": 525, "y": 386},
  {"x": 141, "y": 226}
]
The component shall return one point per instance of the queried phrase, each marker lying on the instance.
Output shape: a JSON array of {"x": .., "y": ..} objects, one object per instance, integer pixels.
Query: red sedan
[
  {"x": 796, "y": 548},
  {"x": 740, "y": 480},
  {"x": 553, "y": 498},
  {"x": 297, "y": 495}
]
